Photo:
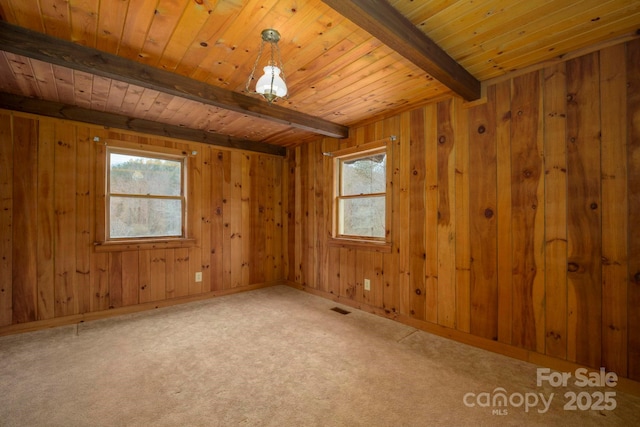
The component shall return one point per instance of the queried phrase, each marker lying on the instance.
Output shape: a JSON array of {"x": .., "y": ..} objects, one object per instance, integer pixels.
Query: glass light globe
[{"x": 265, "y": 86}]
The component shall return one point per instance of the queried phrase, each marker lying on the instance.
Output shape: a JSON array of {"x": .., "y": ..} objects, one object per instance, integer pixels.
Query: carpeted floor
[{"x": 275, "y": 357}]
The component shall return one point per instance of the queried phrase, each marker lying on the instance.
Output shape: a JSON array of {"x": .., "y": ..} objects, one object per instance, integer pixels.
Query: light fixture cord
[
  {"x": 273, "y": 64},
  {"x": 281, "y": 66},
  {"x": 255, "y": 65}
]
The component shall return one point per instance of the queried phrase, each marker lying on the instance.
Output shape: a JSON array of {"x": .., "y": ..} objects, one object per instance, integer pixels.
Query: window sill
[
  {"x": 365, "y": 245},
  {"x": 134, "y": 245}
]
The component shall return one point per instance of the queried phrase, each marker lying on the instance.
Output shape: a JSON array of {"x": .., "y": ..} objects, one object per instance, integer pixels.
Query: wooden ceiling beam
[
  {"x": 35, "y": 45},
  {"x": 385, "y": 23},
  {"x": 111, "y": 120}
]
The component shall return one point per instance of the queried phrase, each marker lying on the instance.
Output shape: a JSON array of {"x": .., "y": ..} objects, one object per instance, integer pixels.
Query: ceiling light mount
[
  {"x": 271, "y": 85},
  {"x": 270, "y": 35}
]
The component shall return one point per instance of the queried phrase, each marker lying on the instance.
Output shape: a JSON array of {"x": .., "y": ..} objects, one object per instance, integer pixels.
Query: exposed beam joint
[
  {"x": 385, "y": 23},
  {"x": 22, "y": 41},
  {"x": 68, "y": 112}
]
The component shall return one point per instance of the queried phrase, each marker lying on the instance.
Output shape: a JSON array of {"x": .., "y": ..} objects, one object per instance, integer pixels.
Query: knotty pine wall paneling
[
  {"x": 482, "y": 219},
  {"x": 633, "y": 191},
  {"x": 527, "y": 213},
  {"x": 615, "y": 226},
  {"x": 50, "y": 269},
  {"x": 555, "y": 209},
  {"x": 6, "y": 220},
  {"x": 513, "y": 221}
]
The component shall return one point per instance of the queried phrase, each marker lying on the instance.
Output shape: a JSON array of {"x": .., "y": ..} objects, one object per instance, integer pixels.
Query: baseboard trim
[
  {"x": 86, "y": 317},
  {"x": 624, "y": 384}
]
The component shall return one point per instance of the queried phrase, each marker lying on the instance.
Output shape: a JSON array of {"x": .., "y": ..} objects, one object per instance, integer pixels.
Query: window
[
  {"x": 360, "y": 194},
  {"x": 145, "y": 195}
]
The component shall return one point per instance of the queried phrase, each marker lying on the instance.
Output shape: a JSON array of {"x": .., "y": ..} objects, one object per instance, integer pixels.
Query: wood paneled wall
[
  {"x": 49, "y": 268},
  {"x": 514, "y": 220}
]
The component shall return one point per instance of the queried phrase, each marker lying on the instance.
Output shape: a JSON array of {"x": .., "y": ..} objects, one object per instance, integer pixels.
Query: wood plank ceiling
[{"x": 337, "y": 72}]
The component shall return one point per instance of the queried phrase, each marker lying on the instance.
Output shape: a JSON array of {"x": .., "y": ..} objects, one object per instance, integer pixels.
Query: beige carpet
[{"x": 272, "y": 357}]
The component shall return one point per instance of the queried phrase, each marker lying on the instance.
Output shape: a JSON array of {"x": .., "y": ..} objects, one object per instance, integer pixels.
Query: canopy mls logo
[{"x": 499, "y": 401}]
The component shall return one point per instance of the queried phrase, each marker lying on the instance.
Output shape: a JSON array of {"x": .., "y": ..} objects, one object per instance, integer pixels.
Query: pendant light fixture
[{"x": 271, "y": 85}]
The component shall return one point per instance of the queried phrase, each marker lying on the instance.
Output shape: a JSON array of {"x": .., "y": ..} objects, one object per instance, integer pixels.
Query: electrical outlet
[
  {"x": 367, "y": 284},
  {"x": 199, "y": 276}
]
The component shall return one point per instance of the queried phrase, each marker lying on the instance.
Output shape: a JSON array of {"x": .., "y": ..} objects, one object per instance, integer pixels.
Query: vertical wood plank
[
  {"x": 584, "y": 208},
  {"x": 99, "y": 262},
  {"x": 613, "y": 81},
  {"x": 245, "y": 229},
  {"x": 131, "y": 279},
  {"x": 144, "y": 277},
  {"x": 430, "y": 165},
  {"x": 6, "y": 219},
  {"x": 361, "y": 266},
  {"x": 157, "y": 274},
  {"x": 25, "y": 179},
  {"x": 226, "y": 220},
  {"x": 181, "y": 276},
  {"x": 234, "y": 207},
  {"x": 503, "y": 215},
  {"x": 527, "y": 212},
  {"x": 217, "y": 221},
  {"x": 311, "y": 226},
  {"x": 391, "y": 267},
  {"x": 96, "y": 160},
  {"x": 195, "y": 221},
  {"x": 287, "y": 188},
  {"x": 404, "y": 282},
  {"x": 555, "y": 128},
  {"x": 284, "y": 193},
  {"x": 633, "y": 159},
  {"x": 258, "y": 219},
  {"x": 170, "y": 269},
  {"x": 84, "y": 209},
  {"x": 333, "y": 270},
  {"x": 66, "y": 285},
  {"x": 206, "y": 219},
  {"x": 302, "y": 214},
  {"x": 46, "y": 213},
  {"x": 463, "y": 246},
  {"x": 273, "y": 226},
  {"x": 446, "y": 215},
  {"x": 115, "y": 280},
  {"x": 348, "y": 265},
  {"x": 417, "y": 206},
  {"x": 320, "y": 238},
  {"x": 377, "y": 279},
  {"x": 331, "y": 257},
  {"x": 482, "y": 218},
  {"x": 296, "y": 214}
]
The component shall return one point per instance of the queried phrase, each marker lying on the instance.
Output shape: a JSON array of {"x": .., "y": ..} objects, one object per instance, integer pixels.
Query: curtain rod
[{"x": 391, "y": 138}]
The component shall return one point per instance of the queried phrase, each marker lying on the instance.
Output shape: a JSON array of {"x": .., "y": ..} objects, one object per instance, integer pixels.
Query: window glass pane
[
  {"x": 145, "y": 217},
  {"x": 365, "y": 175},
  {"x": 144, "y": 175},
  {"x": 363, "y": 216}
]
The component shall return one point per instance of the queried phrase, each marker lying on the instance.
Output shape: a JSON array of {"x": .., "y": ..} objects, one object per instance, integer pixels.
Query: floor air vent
[{"x": 339, "y": 310}]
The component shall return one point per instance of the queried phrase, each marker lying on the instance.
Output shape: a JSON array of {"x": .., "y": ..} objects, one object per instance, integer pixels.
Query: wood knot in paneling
[
  {"x": 572, "y": 267},
  {"x": 554, "y": 335}
]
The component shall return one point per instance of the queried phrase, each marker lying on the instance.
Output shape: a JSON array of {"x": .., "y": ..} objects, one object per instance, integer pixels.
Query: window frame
[
  {"x": 353, "y": 153},
  {"x": 103, "y": 241}
]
